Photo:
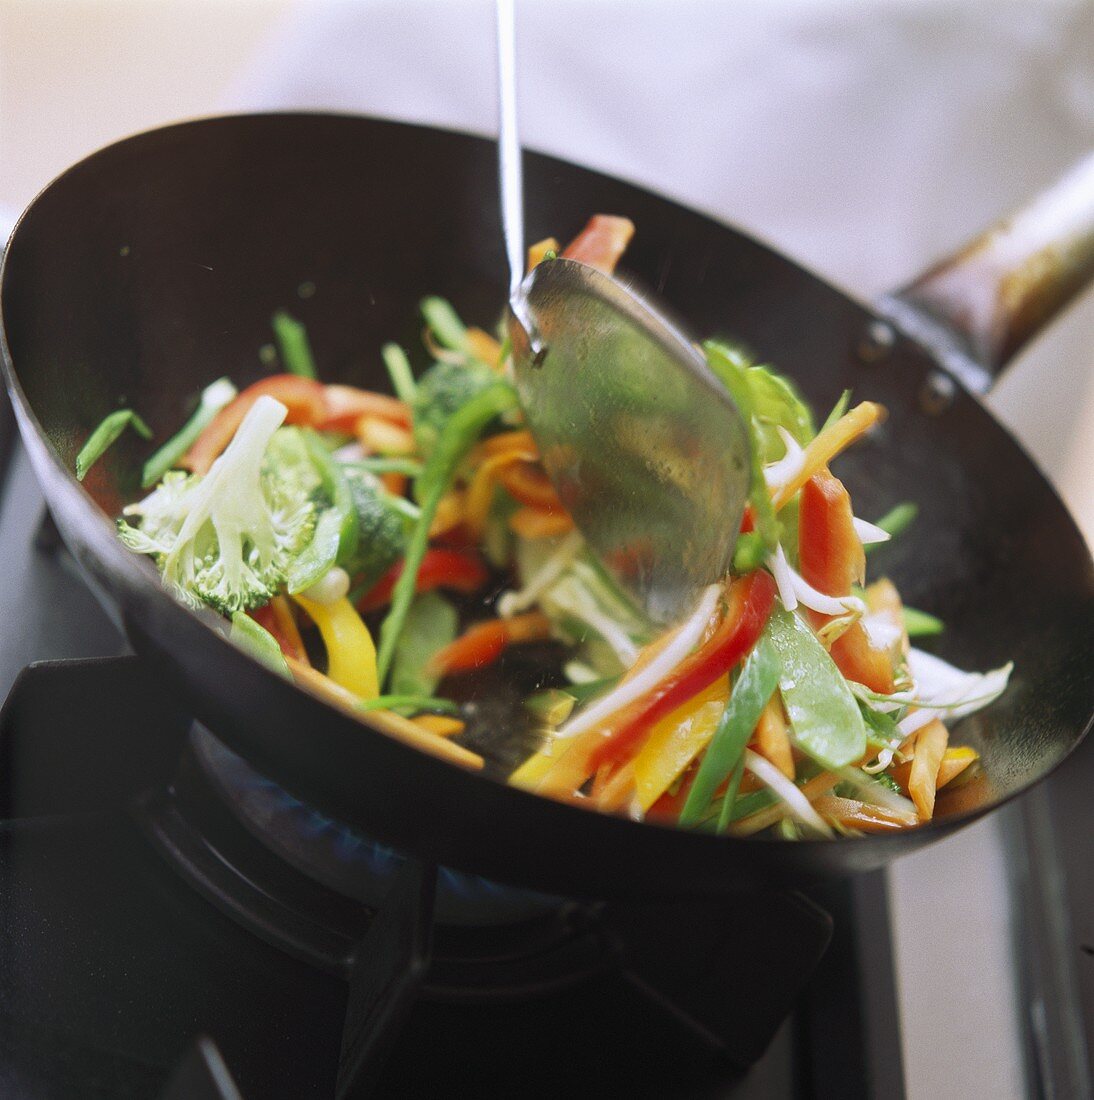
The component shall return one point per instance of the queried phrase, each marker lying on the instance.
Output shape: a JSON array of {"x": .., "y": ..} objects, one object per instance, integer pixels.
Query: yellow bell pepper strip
[
  {"x": 676, "y": 740},
  {"x": 754, "y": 687},
  {"x": 537, "y": 251},
  {"x": 820, "y": 451},
  {"x": 394, "y": 725},
  {"x": 351, "y": 656}
]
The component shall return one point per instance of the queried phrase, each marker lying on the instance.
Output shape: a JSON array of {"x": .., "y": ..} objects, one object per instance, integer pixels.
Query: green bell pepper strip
[
  {"x": 765, "y": 523},
  {"x": 823, "y": 714},
  {"x": 398, "y": 369},
  {"x": 420, "y": 704},
  {"x": 431, "y": 624},
  {"x": 460, "y": 433},
  {"x": 213, "y": 398},
  {"x": 919, "y": 624},
  {"x": 898, "y": 519},
  {"x": 757, "y": 683},
  {"x": 258, "y": 642},
  {"x": 445, "y": 323},
  {"x": 292, "y": 345},
  {"x": 104, "y": 435}
]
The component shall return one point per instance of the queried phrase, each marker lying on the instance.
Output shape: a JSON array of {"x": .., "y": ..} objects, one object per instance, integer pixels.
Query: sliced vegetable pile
[{"x": 382, "y": 550}]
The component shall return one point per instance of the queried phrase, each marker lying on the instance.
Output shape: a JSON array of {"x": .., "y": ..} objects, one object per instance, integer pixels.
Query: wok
[{"x": 152, "y": 268}]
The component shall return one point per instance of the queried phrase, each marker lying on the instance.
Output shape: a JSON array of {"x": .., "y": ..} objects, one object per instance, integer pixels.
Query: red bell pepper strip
[
  {"x": 267, "y": 618},
  {"x": 303, "y": 397},
  {"x": 452, "y": 569},
  {"x": 345, "y": 405},
  {"x": 750, "y": 602},
  {"x": 484, "y": 643},
  {"x": 831, "y": 554},
  {"x": 600, "y": 244}
]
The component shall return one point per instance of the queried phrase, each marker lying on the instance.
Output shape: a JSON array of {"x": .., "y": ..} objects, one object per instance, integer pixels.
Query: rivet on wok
[
  {"x": 937, "y": 393},
  {"x": 876, "y": 342}
]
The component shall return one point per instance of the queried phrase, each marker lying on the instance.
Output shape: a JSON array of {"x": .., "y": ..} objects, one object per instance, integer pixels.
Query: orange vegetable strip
[
  {"x": 344, "y": 405},
  {"x": 539, "y": 523},
  {"x": 443, "y": 725},
  {"x": 402, "y": 729},
  {"x": 380, "y": 436},
  {"x": 864, "y": 816},
  {"x": 617, "y": 793},
  {"x": 484, "y": 643},
  {"x": 520, "y": 440},
  {"x": 480, "y": 493},
  {"x": 526, "y": 482},
  {"x": 821, "y": 450},
  {"x": 763, "y": 819},
  {"x": 303, "y": 397},
  {"x": 601, "y": 243},
  {"x": 771, "y": 739},
  {"x": 484, "y": 347},
  {"x": 930, "y": 747},
  {"x": 830, "y": 551},
  {"x": 286, "y": 623}
]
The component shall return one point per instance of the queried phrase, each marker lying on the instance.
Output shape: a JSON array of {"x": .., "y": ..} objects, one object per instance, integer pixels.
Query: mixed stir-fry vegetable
[{"x": 381, "y": 549}]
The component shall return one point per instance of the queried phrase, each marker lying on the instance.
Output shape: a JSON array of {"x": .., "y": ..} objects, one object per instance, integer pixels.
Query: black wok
[{"x": 152, "y": 267}]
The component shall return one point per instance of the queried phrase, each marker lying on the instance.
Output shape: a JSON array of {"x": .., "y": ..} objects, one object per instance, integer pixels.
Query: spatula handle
[{"x": 977, "y": 308}]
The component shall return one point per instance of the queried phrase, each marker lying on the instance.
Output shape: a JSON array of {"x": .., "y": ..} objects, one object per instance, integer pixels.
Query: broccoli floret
[
  {"x": 381, "y": 528},
  {"x": 229, "y": 537},
  {"x": 441, "y": 390}
]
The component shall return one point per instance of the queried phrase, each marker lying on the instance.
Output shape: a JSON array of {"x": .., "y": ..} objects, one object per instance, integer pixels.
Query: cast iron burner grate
[{"x": 179, "y": 783}]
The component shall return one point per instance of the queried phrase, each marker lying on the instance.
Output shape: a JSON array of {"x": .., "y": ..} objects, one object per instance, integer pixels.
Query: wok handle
[{"x": 977, "y": 308}]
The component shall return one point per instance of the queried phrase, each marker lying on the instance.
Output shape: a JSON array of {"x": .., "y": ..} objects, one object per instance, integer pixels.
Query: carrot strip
[
  {"x": 286, "y": 623},
  {"x": 527, "y": 483},
  {"x": 443, "y": 725},
  {"x": 863, "y": 816},
  {"x": 402, "y": 729},
  {"x": 600, "y": 244},
  {"x": 380, "y": 436},
  {"x": 539, "y": 523},
  {"x": 484, "y": 347},
  {"x": 930, "y": 747},
  {"x": 772, "y": 741},
  {"x": 520, "y": 440},
  {"x": 763, "y": 819},
  {"x": 480, "y": 493}
]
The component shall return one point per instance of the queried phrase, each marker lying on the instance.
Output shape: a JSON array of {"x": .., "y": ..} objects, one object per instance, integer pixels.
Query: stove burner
[
  {"x": 339, "y": 857},
  {"x": 679, "y": 961}
]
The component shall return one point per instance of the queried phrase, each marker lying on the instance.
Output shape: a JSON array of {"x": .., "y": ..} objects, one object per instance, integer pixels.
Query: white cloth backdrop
[{"x": 863, "y": 139}]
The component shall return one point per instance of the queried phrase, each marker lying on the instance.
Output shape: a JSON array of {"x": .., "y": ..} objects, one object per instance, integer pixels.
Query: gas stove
[{"x": 174, "y": 925}]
